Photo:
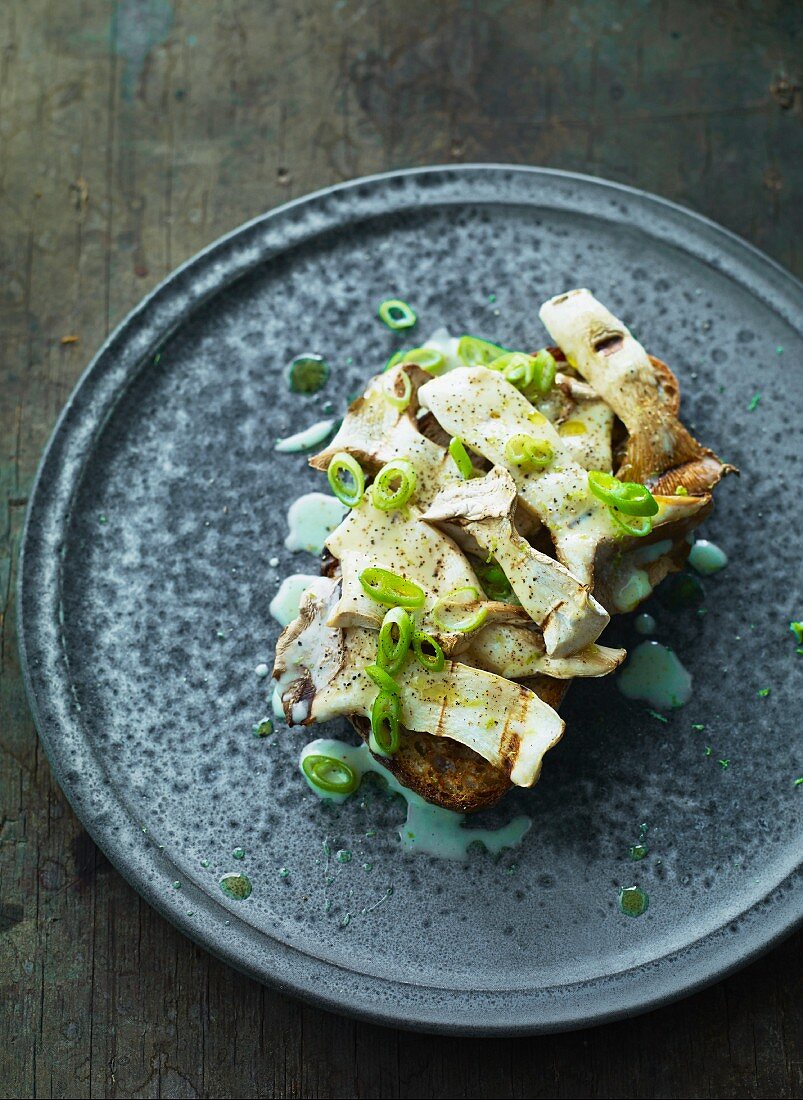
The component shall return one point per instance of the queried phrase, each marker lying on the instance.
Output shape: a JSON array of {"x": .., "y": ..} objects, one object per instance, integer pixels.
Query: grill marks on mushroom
[
  {"x": 660, "y": 452},
  {"x": 472, "y": 729},
  {"x": 321, "y": 675}
]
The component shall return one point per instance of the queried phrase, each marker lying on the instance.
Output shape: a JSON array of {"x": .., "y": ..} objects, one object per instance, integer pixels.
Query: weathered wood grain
[{"x": 131, "y": 135}]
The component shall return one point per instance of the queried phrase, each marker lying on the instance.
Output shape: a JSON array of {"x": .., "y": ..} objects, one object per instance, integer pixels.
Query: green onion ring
[
  {"x": 397, "y": 314},
  {"x": 385, "y": 717},
  {"x": 545, "y": 370},
  {"x": 494, "y": 580},
  {"x": 340, "y": 464},
  {"x": 434, "y": 661},
  {"x": 383, "y": 680},
  {"x": 329, "y": 774},
  {"x": 465, "y": 595},
  {"x": 462, "y": 461},
  {"x": 475, "y": 352},
  {"x": 639, "y": 526},
  {"x": 391, "y": 653},
  {"x": 429, "y": 359},
  {"x": 400, "y": 401},
  {"x": 628, "y": 496},
  {"x": 528, "y": 452},
  {"x": 383, "y": 493},
  {"x": 396, "y": 358},
  {"x": 390, "y": 589}
]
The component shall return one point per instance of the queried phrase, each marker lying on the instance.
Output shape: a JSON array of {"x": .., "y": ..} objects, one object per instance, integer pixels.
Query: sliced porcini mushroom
[
  {"x": 321, "y": 674},
  {"x": 605, "y": 352},
  {"x": 626, "y": 577},
  {"x": 399, "y": 542},
  {"x": 582, "y": 419},
  {"x": 485, "y": 410},
  {"x": 375, "y": 431},
  {"x": 566, "y": 612},
  {"x": 517, "y": 652}
]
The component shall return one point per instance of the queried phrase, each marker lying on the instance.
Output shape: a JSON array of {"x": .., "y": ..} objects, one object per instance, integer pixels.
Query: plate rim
[{"x": 378, "y": 1000}]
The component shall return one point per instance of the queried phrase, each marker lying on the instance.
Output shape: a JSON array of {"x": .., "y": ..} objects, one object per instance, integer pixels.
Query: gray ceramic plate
[{"x": 146, "y": 580}]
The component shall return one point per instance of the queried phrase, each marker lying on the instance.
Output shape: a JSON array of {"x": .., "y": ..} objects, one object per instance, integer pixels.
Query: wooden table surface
[{"x": 133, "y": 134}]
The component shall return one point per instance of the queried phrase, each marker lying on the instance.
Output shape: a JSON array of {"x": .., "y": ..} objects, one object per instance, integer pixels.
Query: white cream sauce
[
  {"x": 311, "y": 519},
  {"x": 284, "y": 605},
  {"x": 428, "y": 829}
]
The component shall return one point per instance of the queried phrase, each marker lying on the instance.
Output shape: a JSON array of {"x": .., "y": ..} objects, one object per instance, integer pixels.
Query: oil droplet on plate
[
  {"x": 638, "y": 851},
  {"x": 238, "y": 853},
  {"x": 236, "y": 885},
  {"x": 633, "y": 901}
]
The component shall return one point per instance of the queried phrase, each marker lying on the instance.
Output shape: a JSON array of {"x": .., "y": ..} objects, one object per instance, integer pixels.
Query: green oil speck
[
  {"x": 235, "y": 884},
  {"x": 204, "y": 862},
  {"x": 346, "y": 921},
  {"x": 643, "y": 829},
  {"x": 680, "y": 592},
  {"x": 102, "y": 518},
  {"x": 263, "y": 728},
  {"x": 308, "y": 374},
  {"x": 633, "y": 902},
  {"x": 284, "y": 872},
  {"x": 176, "y": 885},
  {"x": 238, "y": 853},
  {"x": 763, "y": 692},
  {"x": 638, "y": 851},
  {"x": 367, "y": 866},
  {"x": 343, "y": 856}
]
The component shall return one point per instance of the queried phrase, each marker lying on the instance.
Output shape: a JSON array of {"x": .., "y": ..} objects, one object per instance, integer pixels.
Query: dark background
[{"x": 133, "y": 134}]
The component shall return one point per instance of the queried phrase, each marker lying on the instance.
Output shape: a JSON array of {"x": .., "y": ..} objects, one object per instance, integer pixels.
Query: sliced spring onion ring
[
  {"x": 631, "y": 525},
  {"x": 428, "y": 651},
  {"x": 393, "y": 485},
  {"x": 475, "y": 352},
  {"x": 628, "y": 496},
  {"x": 447, "y": 615},
  {"x": 397, "y": 314},
  {"x": 390, "y": 589},
  {"x": 518, "y": 368},
  {"x": 399, "y": 400},
  {"x": 429, "y": 359},
  {"x": 385, "y": 716},
  {"x": 397, "y": 357},
  {"x": 344, "y": 464},
  {"x": 462, "y": 461},
  {"x": 528, "y": 452},
  {"x": 382, "y": 678},
  {"x": 329, "y": 774},
  {"x": 494, "y": 580},
  {"x": 392, "y": 651},
  {"x": 545, "y": 370}
]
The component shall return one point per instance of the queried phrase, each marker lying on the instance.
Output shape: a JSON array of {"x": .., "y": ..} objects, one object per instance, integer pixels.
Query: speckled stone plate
[{"x": 146, "y": 579}]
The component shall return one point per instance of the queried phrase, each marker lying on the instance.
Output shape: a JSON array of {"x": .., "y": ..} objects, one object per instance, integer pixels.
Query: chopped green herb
[
  {"x": 797, "y": 630},
  {"x": 492, "y": 298},
  {"x": 754, "y": 403},
  {"x": 698, "y": 726},
  {"x": 655, "y": 714},
  {"x": 263, "y": 728},
  {"x": 707, "y": 750},
  {"x": 779, "y": 350},
  {"x": 763, "y": 692},
  {"x": 799, "y": 650},
  {"x": 724, "y": 764},
  {"x": 799, "y": 781}
]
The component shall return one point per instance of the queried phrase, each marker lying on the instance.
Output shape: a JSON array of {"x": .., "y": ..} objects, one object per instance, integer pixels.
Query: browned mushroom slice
[
  {"x": 568, "y": 615},
  {"x": 321, "y": 675},
  {"x": 400, "y": 542},
  {"x": 486, "y": 411},
  {"x": 606, "y": 353},
  {"x": 517, "y": 652}
]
